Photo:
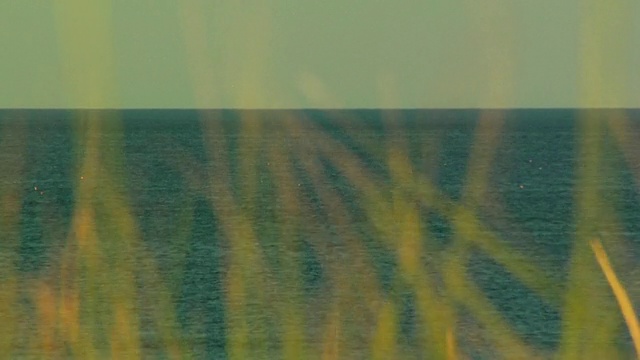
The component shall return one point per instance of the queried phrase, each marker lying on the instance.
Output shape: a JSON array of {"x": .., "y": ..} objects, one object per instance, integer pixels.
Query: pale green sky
[{"x": 333, "y": 53}]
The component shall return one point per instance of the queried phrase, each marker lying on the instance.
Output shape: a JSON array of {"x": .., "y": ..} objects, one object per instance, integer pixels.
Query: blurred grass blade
[
  {"x": 331, "y": 341},
  {"x": 620, "y": 293},
  {"x": 384, "y": 341},
  {"x": 451, "y": 345}
]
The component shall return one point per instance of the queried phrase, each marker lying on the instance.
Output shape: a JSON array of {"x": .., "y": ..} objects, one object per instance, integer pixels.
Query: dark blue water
[{"x": 161, "y": 160}]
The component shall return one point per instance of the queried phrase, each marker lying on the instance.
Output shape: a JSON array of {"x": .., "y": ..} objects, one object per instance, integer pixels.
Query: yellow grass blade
[
  {"x": 290, "y": 306},
  {"x": 620, "y": 293},
  {"x": 486, "y": 141},
  {"x": 383, "y": 345},
  {"x": 452, "y": 353},
  {"x": 46, "y": 307},
  {"x": 331, "y": 337}
]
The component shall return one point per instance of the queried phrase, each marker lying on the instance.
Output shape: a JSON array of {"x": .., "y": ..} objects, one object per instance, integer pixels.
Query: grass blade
[{"x": 620, "y": 293}]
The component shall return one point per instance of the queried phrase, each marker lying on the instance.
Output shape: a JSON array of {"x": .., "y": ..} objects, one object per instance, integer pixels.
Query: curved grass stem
[{"x": 620, "y": 293}]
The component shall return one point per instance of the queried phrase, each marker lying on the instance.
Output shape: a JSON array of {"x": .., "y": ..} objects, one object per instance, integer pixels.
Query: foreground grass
[{"x": 104, "y": 294}]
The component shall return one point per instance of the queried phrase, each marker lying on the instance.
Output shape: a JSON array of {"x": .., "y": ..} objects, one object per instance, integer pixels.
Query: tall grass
[{"x": 103, "y": 294}]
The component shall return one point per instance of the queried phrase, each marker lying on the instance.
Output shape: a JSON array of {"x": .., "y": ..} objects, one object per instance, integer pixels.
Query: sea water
[{"x": 164, "y": 164}]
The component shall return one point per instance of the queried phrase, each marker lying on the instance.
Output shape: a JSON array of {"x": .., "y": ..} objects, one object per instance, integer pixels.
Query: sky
[{"x": 329, "y": 54}]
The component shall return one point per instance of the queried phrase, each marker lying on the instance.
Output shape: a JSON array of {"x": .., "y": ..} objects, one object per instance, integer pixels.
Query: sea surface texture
[{"x": 342, "y": 234}]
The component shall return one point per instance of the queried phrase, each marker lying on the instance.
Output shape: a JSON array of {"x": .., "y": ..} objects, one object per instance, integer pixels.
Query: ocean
[{"x": 311, "y": 233}]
